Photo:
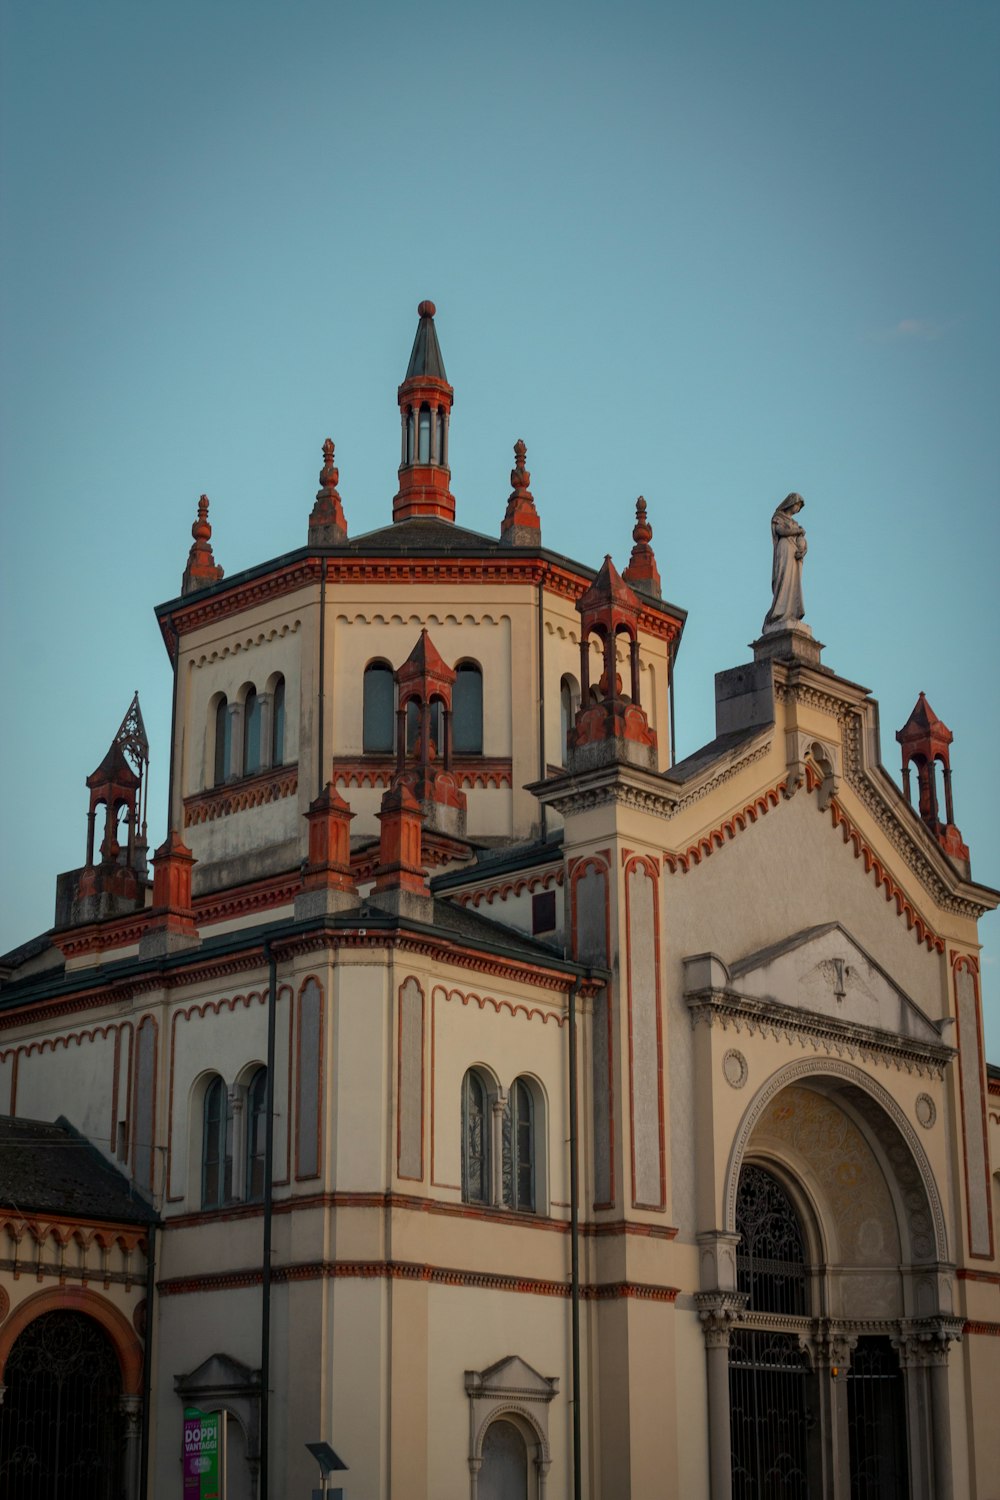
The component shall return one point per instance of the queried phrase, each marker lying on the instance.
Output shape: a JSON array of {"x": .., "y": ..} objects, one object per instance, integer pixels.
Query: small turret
[
  {"x": 925, "y": 742},
  {"x": 610, "y": 725},
  {"x": 425, "y": 402}
]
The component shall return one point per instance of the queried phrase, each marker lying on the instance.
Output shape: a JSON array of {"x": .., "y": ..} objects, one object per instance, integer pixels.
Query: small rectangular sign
[{"x": 204, "y": 1454}]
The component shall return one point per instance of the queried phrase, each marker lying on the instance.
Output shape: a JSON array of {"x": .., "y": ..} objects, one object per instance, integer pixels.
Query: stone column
[
  {"x": 718, "y": 1312},
  {"x": 830, "y": 1351},
  {"x": 131, "y": 1412},
  {"x": 936, "y": 1345},
  {"x": 235, "y": 767},
  {"x": 266, "y": 701},
  {"x": 496, "y": 1148}
]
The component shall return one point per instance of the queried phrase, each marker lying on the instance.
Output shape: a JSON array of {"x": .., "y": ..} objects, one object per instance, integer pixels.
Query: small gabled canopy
[{"x": 425, "y": 357}]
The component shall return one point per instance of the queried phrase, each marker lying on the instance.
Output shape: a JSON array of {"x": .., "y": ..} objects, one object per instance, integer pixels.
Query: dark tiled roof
[
  {"x": 718, "y": 749},
  {"x": 425, "y": 357},
  {"x": 52, "y": 1169}
]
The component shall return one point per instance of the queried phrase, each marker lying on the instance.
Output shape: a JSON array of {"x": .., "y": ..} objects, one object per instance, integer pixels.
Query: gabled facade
[{"x": 525, "y": 1114}]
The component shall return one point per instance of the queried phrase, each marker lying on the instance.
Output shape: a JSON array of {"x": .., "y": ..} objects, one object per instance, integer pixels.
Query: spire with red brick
[
  {"x": 611, "y": 725},
  {"x": 521, "y": 526},
  {"x": 926, "y": 742},
  {"x": 425, "y": 402},
  {"x": 327, "y": 525},
  {"x": 642, "y": 572},
  {"x": 202, "y": 568}
]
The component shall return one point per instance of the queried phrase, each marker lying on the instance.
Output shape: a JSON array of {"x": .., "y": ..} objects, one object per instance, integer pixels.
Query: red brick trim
[
  {"x": 394, "y": 1270},
  {"x": 512, "y": 887},
  {"x": 967, "y": 962},
  {"x": 634, "y": 862},
  {"x": 965, "y": 1273},
  {"x": 990, "y": 1329},
  {"x": 379, "y": 770},
  {"x": 252, "y": 791},
  {"x": 407, "y": 1176},
  {"x": 78, "y": 1299}
]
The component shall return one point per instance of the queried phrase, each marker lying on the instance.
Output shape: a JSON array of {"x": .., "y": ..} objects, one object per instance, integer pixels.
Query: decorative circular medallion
[
  {"x": 734, "y": 1066},
  {"x": 925, "y": 1110},
  {"x": 139, "y": 1318},
  {"x": 4, "y": 1304}
]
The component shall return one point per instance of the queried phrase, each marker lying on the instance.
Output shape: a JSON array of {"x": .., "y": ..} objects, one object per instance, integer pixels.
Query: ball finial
[{"x": 426, "y": 310}]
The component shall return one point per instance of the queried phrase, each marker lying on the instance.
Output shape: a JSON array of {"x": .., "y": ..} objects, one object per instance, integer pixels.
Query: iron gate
[
  {"x": 876, "y": 1422},
  {"x": 769, "y": 1414},
  {"x": 60, "y": 1427}
]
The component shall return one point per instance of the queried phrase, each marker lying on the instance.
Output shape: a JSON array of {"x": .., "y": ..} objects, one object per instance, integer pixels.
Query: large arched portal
[
  {"x": 836, "y": 1320},
  {"x": 61, "y": 1425}
]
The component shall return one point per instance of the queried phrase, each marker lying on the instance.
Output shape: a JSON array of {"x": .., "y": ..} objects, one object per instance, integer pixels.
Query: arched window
[
  {"x": 223, "y": 740},
  {"x": 504, "y": 1472},
  {"x": 569, "y": 702},
  {"x": 475, "y": 1139},
  {"x": 414, "y": 718},
  {"x": 216, "y": 1146},
  {"x": 379, "y": 707},
  {"x": 519, "y": 1148},
  {"x": 252, "y": 711},
  {"x": 278, "y": 723},
  {"x": 467, "y": 710},
  {"x": 256, "y": 1129},
  {"x": 424, "y": 438}
]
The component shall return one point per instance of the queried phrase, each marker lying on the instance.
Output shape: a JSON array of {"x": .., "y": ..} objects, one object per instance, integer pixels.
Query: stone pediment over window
[
  {"x": 512, "y": 1376},
  {"x": 818, "y": 980}
]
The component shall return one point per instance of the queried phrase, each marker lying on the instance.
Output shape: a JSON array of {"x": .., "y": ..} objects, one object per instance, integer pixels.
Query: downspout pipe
[
  {"x": 265, "y": 1279},
  {"x": 320, "y": 781},
  {"x": 574, "y": 1241},
  {"x": 147, "y": 1364},
  {"x": 543, "y": 769}
]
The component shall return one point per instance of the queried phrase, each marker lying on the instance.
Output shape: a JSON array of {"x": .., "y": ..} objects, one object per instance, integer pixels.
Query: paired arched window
[
  {"x": 217, "y": 1146},
  {"x": 379, "y": 709},
  {"x": 467, "y": 709},
  {"x": 232, "y": 1144},
  {"x": 223, "y": 740},
  {"x": 475, "y": 1138},
  {"x": 513, "y": 1139},
  {"x": 569, "y": 702}
]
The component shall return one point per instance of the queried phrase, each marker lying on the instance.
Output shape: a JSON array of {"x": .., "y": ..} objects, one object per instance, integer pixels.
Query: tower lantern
[{"x": 425, "y": 402}]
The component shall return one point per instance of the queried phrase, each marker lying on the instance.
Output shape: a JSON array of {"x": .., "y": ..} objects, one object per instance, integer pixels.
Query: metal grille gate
[
  {"x": 876, "y": 1422},
  {"x": 60, "y": 1428},
  {"x": 768, "y": 1375}
]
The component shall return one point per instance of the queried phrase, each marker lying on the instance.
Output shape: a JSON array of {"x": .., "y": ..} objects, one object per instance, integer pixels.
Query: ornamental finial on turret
[
  {"x": 521, "y": 526},
  {"x": 327, "y": 524},
  {"x": 201, "y": 569},
  {"x": 642, "y": 572}
]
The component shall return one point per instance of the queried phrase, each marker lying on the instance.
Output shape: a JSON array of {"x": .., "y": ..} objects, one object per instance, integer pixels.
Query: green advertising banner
[{"x": 204, "y": 1454}]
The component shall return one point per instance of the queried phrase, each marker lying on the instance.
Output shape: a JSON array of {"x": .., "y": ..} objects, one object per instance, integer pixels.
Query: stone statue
[{"x": 786, "y": 571}]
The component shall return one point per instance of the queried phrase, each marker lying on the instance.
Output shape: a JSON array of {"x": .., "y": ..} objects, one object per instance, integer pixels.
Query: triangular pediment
[
  {"x": 219, "y": 1373},
  {"x": 824, "y": 971},
  {"x": 511, "y": 1375}
]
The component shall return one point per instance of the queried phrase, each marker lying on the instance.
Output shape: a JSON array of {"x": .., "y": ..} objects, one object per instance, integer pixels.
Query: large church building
[{"x": 466, "y": 1084}]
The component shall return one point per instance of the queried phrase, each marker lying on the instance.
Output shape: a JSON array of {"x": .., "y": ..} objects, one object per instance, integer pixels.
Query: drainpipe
[
  {"x": 543, "y": 769},
  {"x": 147, "y": 1366},
  {"x": 671, "y": 658},
  {"x": 265, "y": 1305},
  {"x": 174, "y": 754},
  {"x": 574, "y": 1241},
  {"x": 320, "y": 783}
]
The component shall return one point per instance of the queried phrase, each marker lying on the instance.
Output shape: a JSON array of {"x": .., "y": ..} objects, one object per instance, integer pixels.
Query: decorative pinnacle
[
  {"x": 521, "y": 526},
  {"x": 520, "y": 477},
  {"x": 327, "y": 524},
  {"x": 201, "y": 567},
  {"x": 642, "y": 573}
]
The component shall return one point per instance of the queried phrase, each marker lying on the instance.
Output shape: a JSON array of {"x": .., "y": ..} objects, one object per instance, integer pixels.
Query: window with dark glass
[
  {"x": 467, "y": 710},
  {"x": 379, "y": 708},
  {"x": 519, "y": 1149},
  {"x": 252, "y": 713},
  {"x": 223, "y": 741},
  {"x": 475, "y": 1139},
  {"x": 256, "y": 1124},
  {"x": 216, "y": 1146},
  {"x": 424, "y": 436},
  {"x": 278, "y": 723}
]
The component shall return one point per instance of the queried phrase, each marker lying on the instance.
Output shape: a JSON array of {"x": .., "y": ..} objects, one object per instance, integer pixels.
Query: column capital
[{"x": 719, "y": 1311}]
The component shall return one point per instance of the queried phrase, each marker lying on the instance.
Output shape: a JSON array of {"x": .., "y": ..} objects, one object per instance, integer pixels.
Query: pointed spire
[
  {"x": 425, "y": 402},
  {"x": 201, "y": 570},
  {"x": 642, "y": 572},
  {"x": 521, "y": 526},
  {"x": 327, "y": 525}
]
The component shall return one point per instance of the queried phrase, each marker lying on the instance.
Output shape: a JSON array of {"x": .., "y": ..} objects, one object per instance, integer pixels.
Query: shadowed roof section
[
  {"x": 425, "y": 357},
  {"x": 52, "y": 1169}
]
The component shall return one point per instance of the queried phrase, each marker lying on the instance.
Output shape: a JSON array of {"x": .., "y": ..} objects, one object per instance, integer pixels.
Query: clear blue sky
[{"x": 709, "y": 252}]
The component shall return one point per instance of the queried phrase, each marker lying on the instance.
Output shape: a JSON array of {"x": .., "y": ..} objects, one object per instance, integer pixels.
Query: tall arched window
[
  {"x": 467, "y": 709},
  {"x": 278, "y": 723},
  {"x": 424, "y": 439},
  {"x": 504, "y": 1472},
  {"x": 216, "y": 1146},
  {"x": 379, "y": 708},
  {"x": 223, "y": 740},
  {"x": 256, "y": 1129},
  {"x": 252, "y": 712},
  {"x": 769, "y": 1378},
  {"x": 569, "y": 702},
  {"x": 519, "y": 1148},
  {"x": 475, "y": 1139}
]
